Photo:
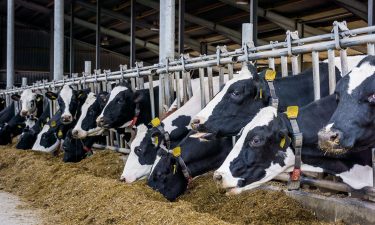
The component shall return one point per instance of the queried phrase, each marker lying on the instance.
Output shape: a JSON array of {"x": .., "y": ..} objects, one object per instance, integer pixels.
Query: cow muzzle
[
  {"x": 66, "y": 119},
  {"x": 24, "y": 113},
  {"x": 329, "y": 141},
  {"x": 100, "y": 122},
  {"x": 79, "y": 134}
]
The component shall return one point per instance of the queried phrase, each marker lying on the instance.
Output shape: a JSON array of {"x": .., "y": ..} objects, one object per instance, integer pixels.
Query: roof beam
[{"x": 357, "y": 8}]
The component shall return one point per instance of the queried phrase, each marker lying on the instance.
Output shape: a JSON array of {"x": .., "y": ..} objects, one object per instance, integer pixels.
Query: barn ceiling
[{"x": 318, "y": 14}]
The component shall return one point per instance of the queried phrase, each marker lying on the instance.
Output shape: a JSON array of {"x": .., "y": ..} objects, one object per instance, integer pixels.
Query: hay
[{"x": 89, "y": 193}]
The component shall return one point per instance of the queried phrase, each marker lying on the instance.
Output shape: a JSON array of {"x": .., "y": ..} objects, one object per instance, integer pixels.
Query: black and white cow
[
  {"x": 199, "y": 156},
  {"x": 31, "y": 103},
  {"x": 7, "y": 113},
  {"x": 352, "y": 125},
  {"x": 143, "y": 150},
  {"x": 242, "y": 98},
  {"x": 70, "y": 102},
  {"x": 11, "y": 129},
  {"x": 123, "y": 102},
  {"x": 79, "y": 141},
  {"x": 30, "y": 133},
  {"x": 264, "y": 150}
]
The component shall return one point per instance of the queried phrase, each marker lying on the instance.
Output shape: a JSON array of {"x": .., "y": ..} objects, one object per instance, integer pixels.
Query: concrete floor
[{"x": 14, "y": 212}]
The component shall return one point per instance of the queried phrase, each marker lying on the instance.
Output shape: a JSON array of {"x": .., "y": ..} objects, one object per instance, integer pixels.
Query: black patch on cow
[
  {"x": 11, "y": 129},
  {"x": 181, "y": 123},
  {"x": 89, "y": 122}
]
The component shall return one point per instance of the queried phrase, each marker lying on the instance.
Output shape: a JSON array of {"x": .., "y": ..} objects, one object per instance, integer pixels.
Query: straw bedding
[{"x": 89, "y": 193}]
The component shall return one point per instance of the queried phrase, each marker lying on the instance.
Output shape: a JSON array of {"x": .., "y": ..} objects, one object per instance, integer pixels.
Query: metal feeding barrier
[{"x": 178, "y": 71}]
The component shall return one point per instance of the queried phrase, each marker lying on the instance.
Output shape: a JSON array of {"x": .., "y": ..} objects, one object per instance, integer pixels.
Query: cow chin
[{"x": 332, "y": 148}]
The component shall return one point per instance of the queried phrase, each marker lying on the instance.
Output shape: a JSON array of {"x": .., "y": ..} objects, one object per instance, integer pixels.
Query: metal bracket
[
  {"x": 291, "y": 36},
  {"x": 106, "y": 72},
  {"x": 219, "y": 50},
  {"x": 246, "y": 50},
  {"x": 182, "y": 59},
  {"x": 337, "y": 28}
]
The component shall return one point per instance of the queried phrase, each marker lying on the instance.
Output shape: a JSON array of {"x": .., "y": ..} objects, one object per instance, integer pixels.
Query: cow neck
[
  {"x": 39, "y": 108},
  {"x": 299, "y": 89},
  {"x": 144, "y": 116},
  {"x": 310, "y": 120}
]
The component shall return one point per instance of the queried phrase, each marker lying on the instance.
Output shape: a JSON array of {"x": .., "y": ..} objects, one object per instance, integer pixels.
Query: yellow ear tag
[
  {"x": 292, "y": 112},
  {"x": 60, "y": 134},
  {"x": 38, "y": 99},
  {"x": 19, "y": 126},
  {"x": 155, "y": 122},
  {"x": 53, "y": 123},
  {"x": 156, "y": 140},
  {"x": 174, "y": 168},
  {"x": 176, "y": 152},
  {"x": 261, "y": 93},
  {"x": 270, "y": 75},
  {"x": 79, "y": 95},
  {"x": 282, "y": 142}
]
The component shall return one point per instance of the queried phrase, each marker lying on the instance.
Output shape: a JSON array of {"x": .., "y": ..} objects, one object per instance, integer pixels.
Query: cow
[
  {"x": 30, "y": 133},
  {"x": 70, "y": 102},
  {"x": 242, "y": 98},
  {"x": 173, "y": 170},
  {"x": 126, "y": 107},
  {"x": 177, "y": 125},
  {"x": 265, "y": 150},
  {"x": 31, "y": 103},
  {"x": 90, "y": 110},
  {"x": 351, "y": 125},
  {"x": 7, "y": 113},
  {"x": 11, "y": 129},
  {"x": 79, "y": 141}
]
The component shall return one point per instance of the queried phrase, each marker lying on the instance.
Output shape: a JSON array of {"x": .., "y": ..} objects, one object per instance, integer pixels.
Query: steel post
[
  {"x": 71, "y": 39},
  {"x": 10, "y": 44},
  {"x": 370, "y": 22},
  {"x": 284, "y": 66},
  {"x": 181, "y": 26},
  {"x": 97, "y": 45},
  {"x": 316, "y": 75},
  {"x": 58, "y": 52},
  {"x": 331, "y": 71},
  {"x": 254, "y": 19}
]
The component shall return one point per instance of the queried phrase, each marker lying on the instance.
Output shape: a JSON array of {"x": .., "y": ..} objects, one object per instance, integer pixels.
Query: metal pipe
[
  {"x": 295, "y": 67},
  {"x": 202, "y": 87},
  {"x": 344, "y": 62},
  {"x": 97, "y": 45},
  {"x": 230, "y": 71},
  {"x": 271, "y": 63},
  {"x": 316, "y": 75},
  {"x": 71, "y": 39},
  {"x": 254, "y": 19},
  {"x": 370, "y": 22},
  {"x": 221, "y": 76},
  {"x": 284, "y": 66},
  {"x": 132, "y": 33},
  {"x": 178, "y": 88},
  {"x": 51, "y": 46},
  {"x": 10, "y": 44},
  {"x": 88, "y": 67},
  {"x": 152, "y": 96},
  {"x": 331, "y": 71},
  {"x": 181, "y": 26},
  {"x": 58, "y": 53},
  {"x": 24, "y": 81},
  {"x": 210, "y": 83}
]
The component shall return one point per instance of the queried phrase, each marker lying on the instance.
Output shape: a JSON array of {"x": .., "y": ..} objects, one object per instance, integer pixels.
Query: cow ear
[
  {"x": 82, "y": 94},
  {"x": 39, "y": 97},
  {"x": 138, "y": 97},
  {"x": 16, "y": 97},
  {"x": 103, "y": 97},
  {"x": 51, "y": 95},
  {"x": 252, "y": 69}
]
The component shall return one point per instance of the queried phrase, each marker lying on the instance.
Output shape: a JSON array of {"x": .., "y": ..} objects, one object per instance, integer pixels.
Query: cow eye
[
  {"x": 256, "y": 141},
  {"x": 120, "y": 100},
  {"x": 371, "y": 98},
  {"x": 235, "y": 93},
  {"x": 337, "y": 97}
]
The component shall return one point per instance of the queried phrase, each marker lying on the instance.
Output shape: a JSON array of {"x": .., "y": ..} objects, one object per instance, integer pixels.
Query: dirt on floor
[{"x": 89, "y": 193}]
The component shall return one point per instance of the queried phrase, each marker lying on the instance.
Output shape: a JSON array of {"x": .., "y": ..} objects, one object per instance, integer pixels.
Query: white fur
[
  {"x": 358, "y": 75},
  {"x": 207, "y": 111},
  {"x": 263, "y": 118},
  {"x": 358, "y": 177},
  {"x": 26, "y": 97},
  {"x": 66, "y": 95},
  {"x": 328, "y": 127},
  {"x": 29, "y": 123},
  {"x": 112, "y": 95},
  {"x": 91, "y": 98},
  {"x": 133, "y": 170},
  {"x": 38, "y": 147}
]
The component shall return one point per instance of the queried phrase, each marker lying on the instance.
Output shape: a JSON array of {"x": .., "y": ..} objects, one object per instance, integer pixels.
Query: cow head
[
  {"x": 75, "y": 150},
  {"x": 90, "y": 110},
  {"x": 234, "y": 106},
  {"x": 68, "y": 100},
  {"x": 142, "y": 156},
  {"x": 261, "y": 153},
  {"x": 120, "y": 107},
  {"x": 352, "y": 124},
  {"x": 29, "y": 101},
  {"x": 27, "y": 139},
  {"x": 11, "y": 129}
]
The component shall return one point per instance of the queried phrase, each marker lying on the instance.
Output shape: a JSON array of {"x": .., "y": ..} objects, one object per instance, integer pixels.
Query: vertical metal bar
[
  {"x": 10, "y": 44},
  {"x": 370, "y": 22},
  {"x": 344, "y": 62},
  {"x": 181, "y": 26},
  {"x": 230, "y": 71},
  {"x": 254, "y": 19},
  {"x": 152, "y": 96},
  {"x": 51, "y": 46},
  {"x": 210, "y": 83},
  {"x": 271, "y": 63},
  {"x": 373, "y": 167},
  {"x": 24, "y": 81},
  {"x": 284, "y": 66},
  {"x": 97, "y": 46},
  {"x": 247, "y": 36},
  {"x": 331, "y": 71},
  {"x": 221, "y": 76},
  {"x": 58, "y": 59},
  {"x": 88, "y": 67},
  {"x": 71, "y": 39},
  {"x": 295, "y": 67},
  {"x": 300, "y": 29},
  {"x": 316, "y": 75},
  {"x": 178, "y": 89},
  {"x": 202, "y": 86},
  {"x": 184, "y": 86},
  {"x": 132, "y": 33},
  {"x": 189, "y": 87}
]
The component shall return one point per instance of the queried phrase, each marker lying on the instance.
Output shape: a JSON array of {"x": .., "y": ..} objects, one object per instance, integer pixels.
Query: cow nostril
[
  {"x": 334, "y": 137},
  {"x": 218, "y": 177},
  {"x": 75, "y": 132}
]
